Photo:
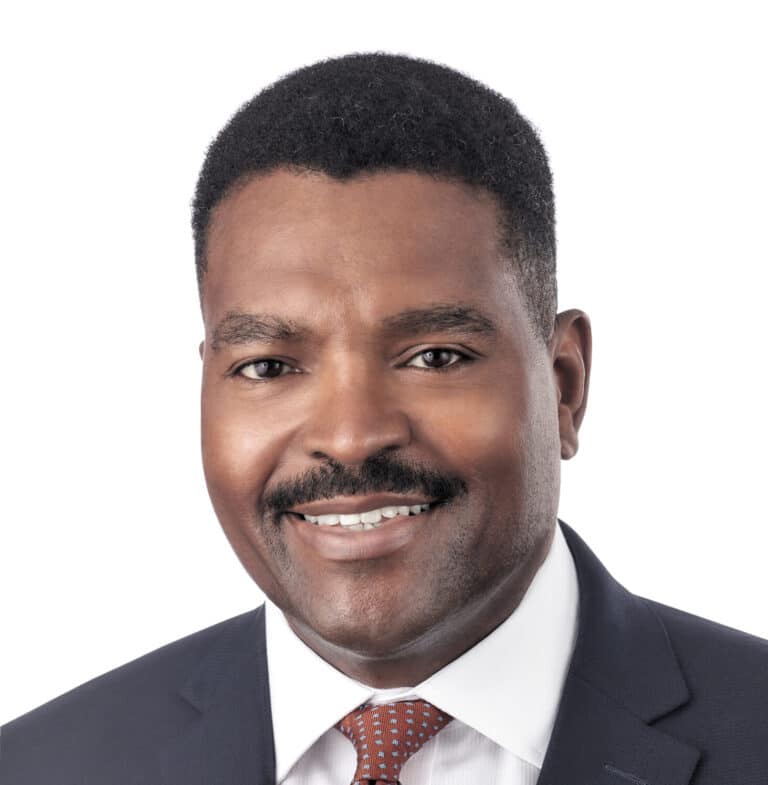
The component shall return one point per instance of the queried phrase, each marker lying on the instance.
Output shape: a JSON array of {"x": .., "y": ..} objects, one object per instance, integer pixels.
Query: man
[{"x": 387, "y": 394}]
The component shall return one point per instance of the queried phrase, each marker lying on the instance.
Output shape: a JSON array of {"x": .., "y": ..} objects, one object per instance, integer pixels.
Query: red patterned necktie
[{"x": 386, "y": 736}]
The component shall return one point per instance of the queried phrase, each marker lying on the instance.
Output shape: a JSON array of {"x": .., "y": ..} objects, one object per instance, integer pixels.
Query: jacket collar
[{"x": 622, "y": 677}]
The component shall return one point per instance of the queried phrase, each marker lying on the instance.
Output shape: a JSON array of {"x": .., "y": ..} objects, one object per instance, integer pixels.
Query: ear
[
  {"x": 570, "y": 349},
  {"x": 201, "y": 349}
]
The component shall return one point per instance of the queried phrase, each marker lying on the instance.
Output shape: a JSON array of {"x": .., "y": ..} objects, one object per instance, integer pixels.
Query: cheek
[
  {"x": 479, "y": 433},
  {"x": 503, "y": 439},
  {"x": 238, "y": 454},
  {"x": 236, "y": 450}
]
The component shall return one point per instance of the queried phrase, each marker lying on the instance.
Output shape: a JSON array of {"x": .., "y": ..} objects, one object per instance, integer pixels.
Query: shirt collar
[{"x": 525, "y": 658}]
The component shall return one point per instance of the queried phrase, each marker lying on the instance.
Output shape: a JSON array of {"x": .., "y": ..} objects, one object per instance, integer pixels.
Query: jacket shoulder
[
  {"x": 714, "y": 652},
  {"x": 726, "y": 671},
  {"x": 91, "y": 727}
]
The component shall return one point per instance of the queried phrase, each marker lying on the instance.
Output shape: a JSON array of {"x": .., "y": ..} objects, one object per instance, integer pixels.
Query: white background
[{"x": 655, "y": 120}]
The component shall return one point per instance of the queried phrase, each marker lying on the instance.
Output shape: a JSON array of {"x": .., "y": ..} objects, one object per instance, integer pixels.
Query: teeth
[{"x": 365, "y": 521}]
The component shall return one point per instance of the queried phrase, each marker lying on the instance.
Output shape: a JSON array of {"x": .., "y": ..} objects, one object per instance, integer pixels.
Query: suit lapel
[
  {"x": 623, "y": 676},
  {"x": 228, "y": 739}
]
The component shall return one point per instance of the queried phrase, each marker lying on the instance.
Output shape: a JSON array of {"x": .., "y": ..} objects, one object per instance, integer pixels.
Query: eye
[
  {"x": 259, "y": 370},
  {"x": 439, "y": 359}
]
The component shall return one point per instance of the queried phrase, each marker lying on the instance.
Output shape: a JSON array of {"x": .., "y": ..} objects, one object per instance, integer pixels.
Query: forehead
[{"x": 303, "y": 241}]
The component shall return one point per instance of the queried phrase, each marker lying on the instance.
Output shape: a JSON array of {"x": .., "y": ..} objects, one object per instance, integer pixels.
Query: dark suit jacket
[{"x": 653, "y": 696}]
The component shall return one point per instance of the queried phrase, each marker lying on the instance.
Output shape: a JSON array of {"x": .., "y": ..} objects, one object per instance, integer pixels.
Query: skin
[{"x": 350, "y": 396}]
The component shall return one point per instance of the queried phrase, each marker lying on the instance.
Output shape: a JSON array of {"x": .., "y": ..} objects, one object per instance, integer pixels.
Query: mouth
[
  {"x": 366, "y": 520},
  {"x": 371, "y": 532}
]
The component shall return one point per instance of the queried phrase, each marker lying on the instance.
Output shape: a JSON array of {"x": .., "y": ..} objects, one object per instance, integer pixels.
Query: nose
[{"x": 354, "y": 415}]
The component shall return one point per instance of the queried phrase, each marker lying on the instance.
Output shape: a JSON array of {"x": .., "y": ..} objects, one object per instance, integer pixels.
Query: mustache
[{"x": 379, "y": 473}]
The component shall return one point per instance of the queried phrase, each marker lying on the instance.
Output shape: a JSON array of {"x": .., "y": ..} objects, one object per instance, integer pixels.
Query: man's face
[{"x": 367, "y": 349}]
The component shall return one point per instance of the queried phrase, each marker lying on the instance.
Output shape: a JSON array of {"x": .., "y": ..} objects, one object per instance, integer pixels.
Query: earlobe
[{"x": 571, "y": 353}]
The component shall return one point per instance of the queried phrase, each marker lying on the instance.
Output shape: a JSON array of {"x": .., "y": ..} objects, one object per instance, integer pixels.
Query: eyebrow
[
  {"x": 449, "y": 317},
  {"x": 240, "y": 327}
]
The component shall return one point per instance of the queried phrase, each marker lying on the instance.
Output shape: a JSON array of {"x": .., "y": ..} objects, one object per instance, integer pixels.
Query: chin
[{"x": 377, "y": 632}]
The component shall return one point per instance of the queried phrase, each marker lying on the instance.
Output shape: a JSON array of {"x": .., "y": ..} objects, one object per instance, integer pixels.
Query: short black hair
[{"x": 366, "y": 113}]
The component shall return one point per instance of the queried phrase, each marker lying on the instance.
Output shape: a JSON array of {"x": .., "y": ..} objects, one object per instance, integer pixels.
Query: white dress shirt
[{"x": 503, "y": 694}]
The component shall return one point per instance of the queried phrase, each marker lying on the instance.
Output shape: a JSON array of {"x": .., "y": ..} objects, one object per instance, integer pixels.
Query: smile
[
  {"x": 372, "y": 531},
  {"x": 365, "y": 521}
]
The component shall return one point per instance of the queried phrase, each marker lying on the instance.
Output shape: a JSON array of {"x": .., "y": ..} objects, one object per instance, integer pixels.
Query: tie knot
[{"x": 385, "y": 736}]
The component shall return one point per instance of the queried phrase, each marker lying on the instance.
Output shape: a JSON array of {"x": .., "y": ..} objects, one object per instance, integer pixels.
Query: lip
[
  {"x": 347, "y": 505},
  {"x": 335, "y": 544}
]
